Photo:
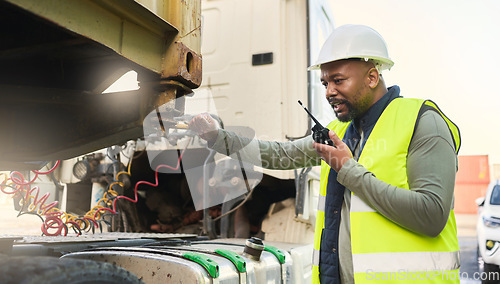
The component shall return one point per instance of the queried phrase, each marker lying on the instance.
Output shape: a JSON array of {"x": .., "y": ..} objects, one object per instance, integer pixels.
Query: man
[{"x": 386, "y": 199}]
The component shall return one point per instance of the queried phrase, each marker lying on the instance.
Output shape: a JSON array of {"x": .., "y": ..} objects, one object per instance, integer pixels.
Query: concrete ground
[{"x": 466, "y": 227}]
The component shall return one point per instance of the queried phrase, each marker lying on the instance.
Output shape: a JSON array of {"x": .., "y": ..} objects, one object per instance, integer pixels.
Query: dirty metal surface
[
  {"x": 93, "y": 237},
  {"x": 188, "y": 67}
]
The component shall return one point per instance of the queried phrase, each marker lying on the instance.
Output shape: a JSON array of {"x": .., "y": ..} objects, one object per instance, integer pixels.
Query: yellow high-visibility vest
[{"x": 383, "y": 251}]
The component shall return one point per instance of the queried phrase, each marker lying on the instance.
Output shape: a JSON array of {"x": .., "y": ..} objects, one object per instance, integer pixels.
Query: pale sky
[{"x": 446, "y": 51}]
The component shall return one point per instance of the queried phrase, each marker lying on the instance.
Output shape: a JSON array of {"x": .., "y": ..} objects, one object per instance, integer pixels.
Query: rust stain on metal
[
  {"x": 188, "y": 65},
  {"x": 165, "y": 97}
]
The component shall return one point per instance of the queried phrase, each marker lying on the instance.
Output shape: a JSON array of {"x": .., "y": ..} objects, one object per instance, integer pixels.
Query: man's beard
[{"x": 351, "y": 114}]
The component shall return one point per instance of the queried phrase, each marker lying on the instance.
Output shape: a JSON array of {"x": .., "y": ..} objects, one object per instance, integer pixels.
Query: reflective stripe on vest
[
  {"x": 419, "y": 260},
  {"x": 382, "y": 250},
  {"x": 359, "y": 205}
]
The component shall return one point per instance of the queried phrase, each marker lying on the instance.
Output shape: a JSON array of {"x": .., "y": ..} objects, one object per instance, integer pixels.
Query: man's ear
[{"x": 373, "y": 77}]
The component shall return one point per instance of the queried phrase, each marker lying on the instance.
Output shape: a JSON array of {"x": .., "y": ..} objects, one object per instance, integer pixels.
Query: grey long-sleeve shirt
[{"x": 431, "y": 168}]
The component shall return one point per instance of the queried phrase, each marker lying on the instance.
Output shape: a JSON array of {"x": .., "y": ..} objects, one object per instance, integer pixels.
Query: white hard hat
[{"x": 354, "y": 41}]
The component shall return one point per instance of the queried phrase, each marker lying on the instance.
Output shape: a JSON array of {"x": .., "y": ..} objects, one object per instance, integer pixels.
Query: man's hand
[
  {"x": 335, "y": 157},
  {"x": 205, "y": 126}
]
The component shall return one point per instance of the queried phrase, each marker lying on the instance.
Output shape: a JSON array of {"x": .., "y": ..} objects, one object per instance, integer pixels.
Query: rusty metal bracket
[{"x": 186, "y": 66}]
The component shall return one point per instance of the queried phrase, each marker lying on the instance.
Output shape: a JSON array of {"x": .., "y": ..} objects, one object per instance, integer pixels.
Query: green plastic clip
[
  {"x": 235, "y": 258},
  {"x": 211, "y": 266},
  {"x": 277, "y": 253}
]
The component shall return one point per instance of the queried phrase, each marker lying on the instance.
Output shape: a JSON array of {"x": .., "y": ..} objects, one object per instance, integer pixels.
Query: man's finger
[
  {"x": 335, "y": 138},
  {"x": 319, "y": 147}
]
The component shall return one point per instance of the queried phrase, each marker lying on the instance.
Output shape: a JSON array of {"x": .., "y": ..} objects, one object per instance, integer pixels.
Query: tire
[
  {"x": 51, "y": 270},
  {"x": 491, "y": 273}
]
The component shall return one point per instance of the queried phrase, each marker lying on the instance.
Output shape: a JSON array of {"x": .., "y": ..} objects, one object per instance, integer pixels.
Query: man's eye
[
  {"x": 338, "y": 81},
  {"x": 325, "y": 85}
]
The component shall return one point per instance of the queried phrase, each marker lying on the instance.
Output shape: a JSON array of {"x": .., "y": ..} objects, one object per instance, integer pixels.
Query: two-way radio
[{"x": 320, "y": 133}]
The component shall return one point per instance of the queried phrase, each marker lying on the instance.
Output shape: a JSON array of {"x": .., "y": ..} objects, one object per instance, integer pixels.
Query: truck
[{"x": 124, "y": 191}]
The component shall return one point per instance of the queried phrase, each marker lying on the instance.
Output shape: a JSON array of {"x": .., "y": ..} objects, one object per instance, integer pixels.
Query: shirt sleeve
[
  {"x": 431, "y": 169},
  {"x": 268, "y": 154}
]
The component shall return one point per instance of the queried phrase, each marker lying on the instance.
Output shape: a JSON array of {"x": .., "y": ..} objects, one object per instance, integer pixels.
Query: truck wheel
[{"x": 51, "y": 270}]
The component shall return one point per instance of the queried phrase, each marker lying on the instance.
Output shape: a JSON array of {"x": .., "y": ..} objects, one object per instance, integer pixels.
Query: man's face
[{"x": 347, "y": 88}]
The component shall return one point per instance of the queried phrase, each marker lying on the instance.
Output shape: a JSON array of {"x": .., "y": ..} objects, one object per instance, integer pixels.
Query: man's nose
[{"x": 331, "y": 91}]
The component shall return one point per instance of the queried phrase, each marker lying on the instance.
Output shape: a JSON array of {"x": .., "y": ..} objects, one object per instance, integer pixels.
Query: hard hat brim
[{"x": 385, "y": 63}]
